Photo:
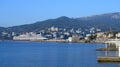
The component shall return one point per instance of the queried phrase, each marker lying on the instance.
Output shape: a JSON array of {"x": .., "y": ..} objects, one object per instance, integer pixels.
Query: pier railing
[{"x": 116, "y": 41}]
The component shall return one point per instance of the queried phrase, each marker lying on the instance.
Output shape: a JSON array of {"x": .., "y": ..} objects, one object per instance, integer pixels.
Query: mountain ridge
[{"x": 102, "y": 21}]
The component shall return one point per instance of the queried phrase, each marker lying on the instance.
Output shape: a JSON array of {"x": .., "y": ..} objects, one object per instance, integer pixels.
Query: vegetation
[{"x": 104, "y": 22}]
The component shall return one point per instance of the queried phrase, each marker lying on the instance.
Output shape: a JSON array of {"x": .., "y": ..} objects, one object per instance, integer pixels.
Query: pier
[{"x": 106, "y": 58}]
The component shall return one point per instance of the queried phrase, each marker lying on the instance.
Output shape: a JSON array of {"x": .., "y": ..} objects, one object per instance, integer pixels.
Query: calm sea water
[{"x": 50, "y": 54}]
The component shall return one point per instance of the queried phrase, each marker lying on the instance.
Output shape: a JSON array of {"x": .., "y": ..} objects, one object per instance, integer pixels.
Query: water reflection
[
  {"x": 114, "y": 43},
  {"x": 109, "y": 50}
]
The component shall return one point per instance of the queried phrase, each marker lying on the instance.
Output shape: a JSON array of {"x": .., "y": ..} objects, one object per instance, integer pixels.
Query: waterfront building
[
  {"x": 4, "y": 33},
  {"x": 101, "y": 35},
  {"x": 118, "y": 35},
  {"x": 87, "y": 37},
  {"x": 69, "y": 39},
  {"x": 13, "y": 33},
  {"x": 110, "y": 35},
  {"x": 62, "y": 36},
  {"x": 75, "y": 38}
]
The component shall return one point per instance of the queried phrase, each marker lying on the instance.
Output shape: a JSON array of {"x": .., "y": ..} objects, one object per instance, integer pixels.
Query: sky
[{"x": 19, "y": 12}]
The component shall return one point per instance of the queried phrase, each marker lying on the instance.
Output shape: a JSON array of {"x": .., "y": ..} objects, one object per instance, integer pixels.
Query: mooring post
[{"x": 106, "y": 50}]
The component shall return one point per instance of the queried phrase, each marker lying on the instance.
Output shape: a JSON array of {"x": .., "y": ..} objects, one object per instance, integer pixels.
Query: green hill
[{"x": 103, "y": 21}]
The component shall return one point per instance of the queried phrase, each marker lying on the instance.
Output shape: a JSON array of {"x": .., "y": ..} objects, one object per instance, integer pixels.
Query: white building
[
  {"x": 118, "y": 35},
  {"x": 70, "y": 39}
]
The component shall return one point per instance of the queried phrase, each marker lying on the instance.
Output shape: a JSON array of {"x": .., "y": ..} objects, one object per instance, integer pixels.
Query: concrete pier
[
  {"x": 107, "y": 49},
  {"x": 109, "y": 59}
]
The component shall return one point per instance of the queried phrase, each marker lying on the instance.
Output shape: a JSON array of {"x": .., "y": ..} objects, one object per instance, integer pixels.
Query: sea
[{"x": 51, "y": 54}]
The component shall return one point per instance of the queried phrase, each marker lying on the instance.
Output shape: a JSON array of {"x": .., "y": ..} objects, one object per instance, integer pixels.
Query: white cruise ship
[{"x": 30, "y": 37}]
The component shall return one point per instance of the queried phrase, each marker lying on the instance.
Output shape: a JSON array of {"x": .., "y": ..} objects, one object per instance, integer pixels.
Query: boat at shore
[{"x": 30, "y": 37}]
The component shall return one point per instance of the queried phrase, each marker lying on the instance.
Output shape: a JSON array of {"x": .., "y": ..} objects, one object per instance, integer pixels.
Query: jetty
[
  {"x": 108, "y": 59},
  {"x": 116, "y": 47}
]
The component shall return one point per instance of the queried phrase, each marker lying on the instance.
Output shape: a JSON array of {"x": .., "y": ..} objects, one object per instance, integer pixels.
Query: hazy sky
[{"x": 18, "y": 12}]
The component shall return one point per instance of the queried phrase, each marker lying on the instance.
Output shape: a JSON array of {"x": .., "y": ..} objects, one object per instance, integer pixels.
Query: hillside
[
  {"x": 103, "y": 21},
  {"x": 2, "y": 29}
]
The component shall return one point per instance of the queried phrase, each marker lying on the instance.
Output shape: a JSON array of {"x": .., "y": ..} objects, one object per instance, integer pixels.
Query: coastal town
[
  {"x": 55, "y": 34},
  {"x": 59, "y": 33}
]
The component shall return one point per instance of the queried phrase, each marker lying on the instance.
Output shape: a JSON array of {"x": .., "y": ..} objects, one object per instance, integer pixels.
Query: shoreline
[{"x": 62, "y": 41}]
